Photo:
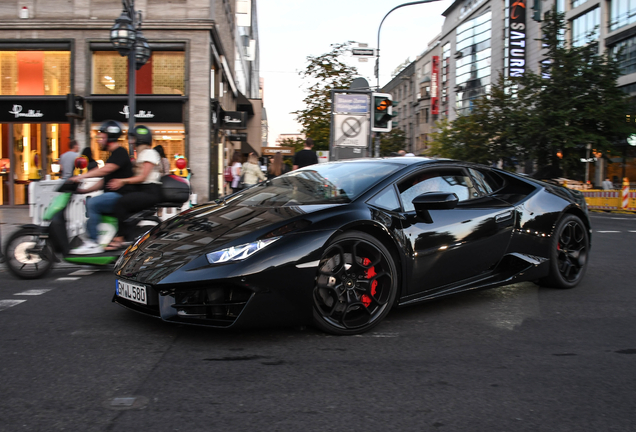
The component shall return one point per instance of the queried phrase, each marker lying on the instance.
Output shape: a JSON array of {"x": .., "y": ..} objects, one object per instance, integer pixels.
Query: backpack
[{"x": 227, "y": 174}]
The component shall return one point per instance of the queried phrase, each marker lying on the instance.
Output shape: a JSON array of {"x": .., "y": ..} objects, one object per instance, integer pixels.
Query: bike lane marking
[{"x": 6, "y": 304}]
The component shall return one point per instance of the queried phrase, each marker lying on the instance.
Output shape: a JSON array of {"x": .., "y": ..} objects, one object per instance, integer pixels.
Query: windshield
[{"x": 329, "y": 183}]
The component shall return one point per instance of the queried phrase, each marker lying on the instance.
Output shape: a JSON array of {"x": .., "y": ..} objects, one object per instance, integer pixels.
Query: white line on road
[
  {"x": 67, "y": 278},
  {"x": 34, "y": 292},
  {"x": 607, "y": 231},
  {"x": 6, "y": 304},
  {"x": 82, "y": 273}
]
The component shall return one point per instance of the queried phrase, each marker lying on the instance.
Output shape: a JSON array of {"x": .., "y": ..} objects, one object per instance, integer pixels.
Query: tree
[
  {"x": 550, "y": 117},
  {"x": 392, "y": 142},
  {"x": 323, "y": 74}
]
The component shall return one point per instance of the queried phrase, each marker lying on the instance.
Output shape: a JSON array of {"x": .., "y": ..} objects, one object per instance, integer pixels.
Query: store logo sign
[
  {"x": 517, "y": 38},
  {"x": 17, "y": 111},
  {"x": 140, "y": 115}
]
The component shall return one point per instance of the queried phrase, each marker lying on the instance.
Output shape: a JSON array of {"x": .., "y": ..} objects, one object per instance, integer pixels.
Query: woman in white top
[
  {"x": 236, "y": 172},
  {"x": 148, "y": 180},
  {"x": 251, "y": 171}
]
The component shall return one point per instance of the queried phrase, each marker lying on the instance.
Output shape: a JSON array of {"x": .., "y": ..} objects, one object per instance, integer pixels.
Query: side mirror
[{"x": 433, "y": 201}]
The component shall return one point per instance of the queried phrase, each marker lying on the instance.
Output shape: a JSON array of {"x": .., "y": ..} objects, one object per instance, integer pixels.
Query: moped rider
[{"x": 117, "y": 166}]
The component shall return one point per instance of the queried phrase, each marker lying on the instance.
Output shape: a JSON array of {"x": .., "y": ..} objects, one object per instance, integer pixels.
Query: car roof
[{"x": 400, "y": 160}]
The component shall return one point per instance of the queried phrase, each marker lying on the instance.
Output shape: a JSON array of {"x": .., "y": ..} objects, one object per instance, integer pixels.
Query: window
[
  {"x": 164, "y": 73},
  {"x": 27, "y": 73},
  {"x": 585, "y": 27},
  {"x": 472, "y": 64},
  {"x": 387, "y": 199},
  {"x": 622, "y": 13},
  {"x": 625, "y": 53},
  {"x": 443, "y": 180},
  {"x": 486, "y": 182}
]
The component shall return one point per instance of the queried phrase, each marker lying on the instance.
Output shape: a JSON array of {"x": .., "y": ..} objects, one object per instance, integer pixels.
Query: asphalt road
[{"x": 516, "y": 358}]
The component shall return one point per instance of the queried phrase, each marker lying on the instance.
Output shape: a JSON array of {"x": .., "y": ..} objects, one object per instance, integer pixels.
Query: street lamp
[
  {"x": 127, "y": 38},
  {"x": 377, "y": 59}
]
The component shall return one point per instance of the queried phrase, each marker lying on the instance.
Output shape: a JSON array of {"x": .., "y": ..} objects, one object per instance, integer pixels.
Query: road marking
[
  {"x": 82, "y": 273},
  {"x": 34, "y": 292},
  {"x": 6, "y": 304},
  {"x": 607, "y": 231},
  {"x": 632, "y": 231},
  {"x": 67, "y": 279}
]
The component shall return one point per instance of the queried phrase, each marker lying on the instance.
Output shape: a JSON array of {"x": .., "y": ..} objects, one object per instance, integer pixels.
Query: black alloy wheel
[
  {"x": 569, "y": 253},
  {"x": 27, "y": 255},
  {"x": 356, "y": 285}
]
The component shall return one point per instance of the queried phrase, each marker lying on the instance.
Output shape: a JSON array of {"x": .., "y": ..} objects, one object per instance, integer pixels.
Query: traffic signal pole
[{"x": 377, "y": 59}]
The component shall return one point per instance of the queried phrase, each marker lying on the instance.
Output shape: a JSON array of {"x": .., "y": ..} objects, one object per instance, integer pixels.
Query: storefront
[
  {"x": 162, "y": 114},
  {"x": 34, "y": 83}
]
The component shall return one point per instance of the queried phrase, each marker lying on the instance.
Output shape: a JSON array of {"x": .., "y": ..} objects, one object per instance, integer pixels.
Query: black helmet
[
  {"x": 142, "y": 135},
  {"x": 112, "y": 129}
]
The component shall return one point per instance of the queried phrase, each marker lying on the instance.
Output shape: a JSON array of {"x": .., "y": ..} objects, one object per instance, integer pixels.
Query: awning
[
  {"x": 246, "y": 148},
  {"x": 243, "y": 104}
]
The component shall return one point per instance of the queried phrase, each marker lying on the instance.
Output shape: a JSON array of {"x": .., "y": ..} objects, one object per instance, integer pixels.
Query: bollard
[{"x": 625, "y": 200}]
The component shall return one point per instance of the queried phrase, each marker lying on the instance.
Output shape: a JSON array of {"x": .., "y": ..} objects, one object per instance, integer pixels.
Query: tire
[
  {"x": 27, "y": 255},
  {"x": 568, "y": 253},
  {"x": 356, "y": 285}
]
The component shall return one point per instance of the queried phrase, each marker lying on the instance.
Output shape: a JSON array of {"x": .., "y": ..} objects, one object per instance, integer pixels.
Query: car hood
[{"x": 200, "y": 230}]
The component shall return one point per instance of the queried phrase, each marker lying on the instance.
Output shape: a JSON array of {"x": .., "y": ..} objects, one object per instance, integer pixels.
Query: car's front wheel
[
  {"x": 569, "y": 253},
  {"x": 356, "y": 284}
]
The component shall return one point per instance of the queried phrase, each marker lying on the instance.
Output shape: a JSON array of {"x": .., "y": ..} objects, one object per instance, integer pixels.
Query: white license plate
[{"x": 136, "y": 293}]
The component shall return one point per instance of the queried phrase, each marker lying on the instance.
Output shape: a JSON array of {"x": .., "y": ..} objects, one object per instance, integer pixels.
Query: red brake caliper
[{"x": 369, "y": 273}]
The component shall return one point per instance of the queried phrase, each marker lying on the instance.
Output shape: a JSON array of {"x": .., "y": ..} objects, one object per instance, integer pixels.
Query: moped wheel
[{"x": 27, "y": 255}]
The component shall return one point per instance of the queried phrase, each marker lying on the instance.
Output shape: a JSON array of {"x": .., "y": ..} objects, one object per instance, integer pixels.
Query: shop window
[
  {"x": 27, "y": 73},
  {"x": 164, "y": 73}
]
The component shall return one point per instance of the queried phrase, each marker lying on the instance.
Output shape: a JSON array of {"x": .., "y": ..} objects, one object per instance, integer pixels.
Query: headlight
[{"x": 237, "y": 253}]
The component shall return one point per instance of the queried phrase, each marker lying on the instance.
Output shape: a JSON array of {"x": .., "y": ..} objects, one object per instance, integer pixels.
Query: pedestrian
[
  {"x": 236, "y": 171},
  {"x": 117, "y": 166},
  {"x": 607, "y": 184},
  {"x": 165, "y": 163},
  {"x": 88, "y": 154},
  {"x": 277, "y": 167},
  {"x": 251, "y": 171},
  {"x": 306, "y": 156},
  {"x": 148, "y": 179},
  {"x": 67, "y": 160},
  {"x": 401, "y": 152}
]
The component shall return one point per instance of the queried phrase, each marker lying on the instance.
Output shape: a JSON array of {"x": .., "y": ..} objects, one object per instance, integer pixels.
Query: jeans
[{"x": 97, "y": 206}]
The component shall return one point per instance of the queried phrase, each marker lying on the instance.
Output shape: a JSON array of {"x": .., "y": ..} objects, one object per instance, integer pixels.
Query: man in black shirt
[
  {"x": 306, "y": 156},
  {"x": 118, "y": 166}
]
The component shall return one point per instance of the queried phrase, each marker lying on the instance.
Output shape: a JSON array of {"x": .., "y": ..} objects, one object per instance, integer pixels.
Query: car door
[{"x": 453, "y": 244}]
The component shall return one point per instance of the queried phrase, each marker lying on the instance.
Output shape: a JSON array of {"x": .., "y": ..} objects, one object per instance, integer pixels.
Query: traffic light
[
  {"x": 382, "y": 112},
  {"x": 536, "y": 7}
]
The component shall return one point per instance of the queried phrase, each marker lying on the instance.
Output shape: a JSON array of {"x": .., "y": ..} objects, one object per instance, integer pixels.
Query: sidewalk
[{"x": 11, "y": 219}]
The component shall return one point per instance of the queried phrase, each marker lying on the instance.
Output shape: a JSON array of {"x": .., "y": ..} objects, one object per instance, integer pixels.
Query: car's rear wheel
[
  {"x": 569, "y": 253},
  {"x": 27, "y": 255},
  {"x": 356, "y": 284}
]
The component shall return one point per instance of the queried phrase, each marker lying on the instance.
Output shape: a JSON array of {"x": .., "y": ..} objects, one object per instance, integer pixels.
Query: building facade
[
  {"x": 481, "y": 39},
  {"x": 61, "y": 77}
]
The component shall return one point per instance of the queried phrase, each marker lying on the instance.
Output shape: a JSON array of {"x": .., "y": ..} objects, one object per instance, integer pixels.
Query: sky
[{"x": 291, "y": 30}]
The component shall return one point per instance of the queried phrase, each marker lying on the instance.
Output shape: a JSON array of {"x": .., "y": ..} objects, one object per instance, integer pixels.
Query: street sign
[
  {"x": 351, "y": 103},
  {"x": 351, "y": 131},
  {"x": 363, "y": 52}
]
